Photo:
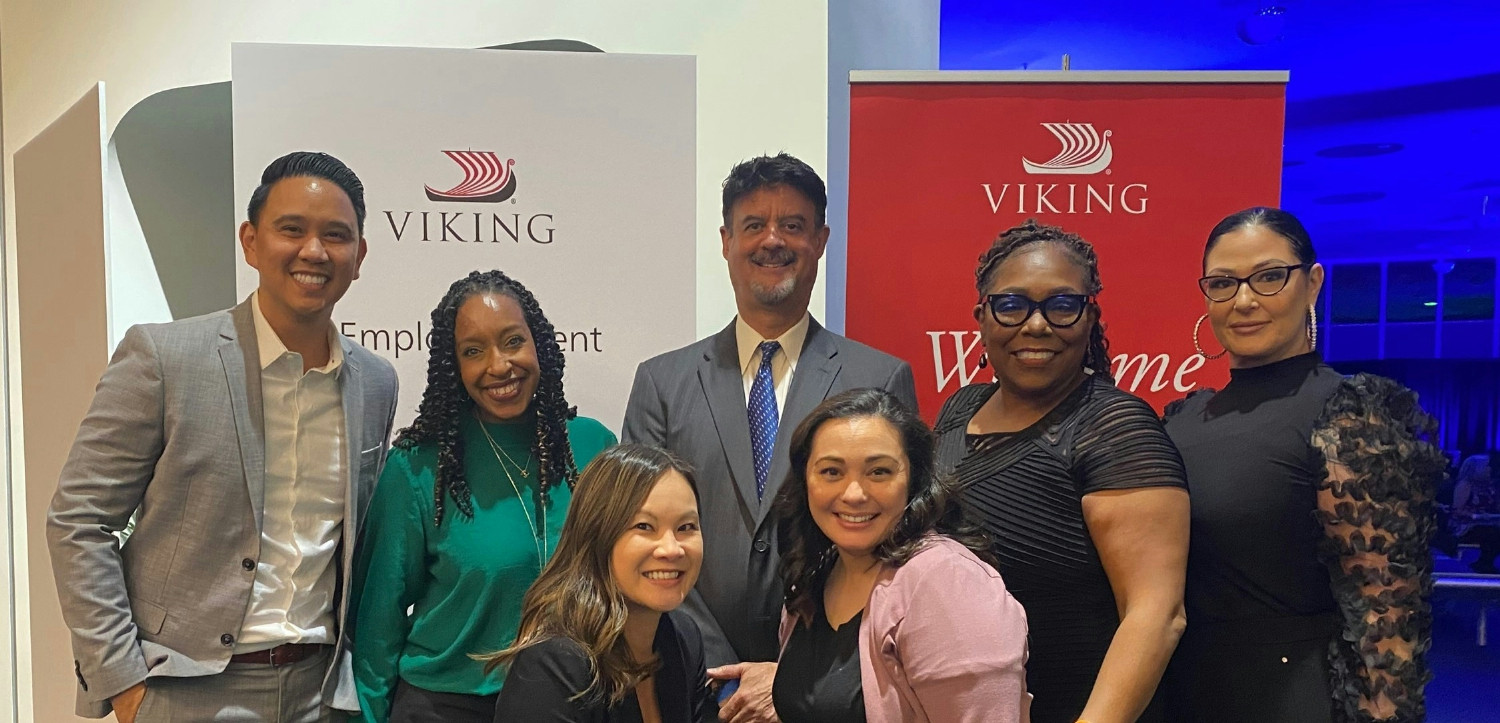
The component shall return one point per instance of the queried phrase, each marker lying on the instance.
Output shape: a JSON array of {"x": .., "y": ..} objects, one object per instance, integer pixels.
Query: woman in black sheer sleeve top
[
  {"x": 1311, "y": 507},
  {"x": 1074, "y": 480},
  {"x": 601, "y": 640}
]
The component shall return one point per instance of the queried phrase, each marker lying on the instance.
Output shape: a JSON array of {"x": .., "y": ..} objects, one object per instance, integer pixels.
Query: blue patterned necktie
[{"x": 763, "y": 416}]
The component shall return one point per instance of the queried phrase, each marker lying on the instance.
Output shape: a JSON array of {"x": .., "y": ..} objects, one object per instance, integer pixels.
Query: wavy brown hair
[
  {"x": 576, "y": 597},
  {"x": 932, "y": 503}
]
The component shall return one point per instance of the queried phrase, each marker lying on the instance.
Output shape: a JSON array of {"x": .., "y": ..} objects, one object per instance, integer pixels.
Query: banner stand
[{"x": 1140, "y": 164}]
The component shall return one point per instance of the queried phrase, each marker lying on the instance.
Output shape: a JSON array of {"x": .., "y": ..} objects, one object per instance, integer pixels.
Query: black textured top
[
  {"x": 818, "y": 678},
  {"x": 1253, "y": 474},
  {"x": 544, "y": 680},
  {"x": 1361, "y": 506},
  {"x": 1026, "y": 489}
]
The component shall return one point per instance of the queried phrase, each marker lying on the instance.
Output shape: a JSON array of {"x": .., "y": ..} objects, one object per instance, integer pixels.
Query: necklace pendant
[{"x": 524, "y": 473}]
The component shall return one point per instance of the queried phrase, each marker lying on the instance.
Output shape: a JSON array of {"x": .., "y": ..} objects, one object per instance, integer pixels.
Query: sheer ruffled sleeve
[{"x": 1376, "y": 508}]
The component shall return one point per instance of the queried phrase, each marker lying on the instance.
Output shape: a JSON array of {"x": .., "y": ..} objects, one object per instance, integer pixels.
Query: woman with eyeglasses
[
  {"x": 1311, "y": 507},
  {"x": 1074, "y": 480}
]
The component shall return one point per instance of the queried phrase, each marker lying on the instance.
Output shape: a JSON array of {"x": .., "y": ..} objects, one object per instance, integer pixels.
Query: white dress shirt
[
  {"x": 783, "y": 364},
  {"x": 306, "y": 472}
]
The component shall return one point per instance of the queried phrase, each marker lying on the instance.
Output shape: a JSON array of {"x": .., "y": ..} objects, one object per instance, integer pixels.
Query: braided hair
[
  {"x": 1080, "y": 251},
  {"x": 445, "y": 401}
]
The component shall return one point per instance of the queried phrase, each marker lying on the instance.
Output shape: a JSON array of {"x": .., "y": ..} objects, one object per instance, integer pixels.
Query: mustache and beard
[{"x": 782, "y": 290}]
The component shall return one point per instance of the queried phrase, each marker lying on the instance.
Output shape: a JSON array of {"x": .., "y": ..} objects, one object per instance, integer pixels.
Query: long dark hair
[
  {"x": 1282, "y": 223},
  {"x": 445, "y": 402},
  {"x": 1080, "y": 251},
  {"x": 932, "y": 504},
  {"x": 576, "y": 597}
]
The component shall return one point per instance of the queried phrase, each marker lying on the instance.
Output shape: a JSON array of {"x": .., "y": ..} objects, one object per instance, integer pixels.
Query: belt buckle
[{"x": 279, "y": 655}]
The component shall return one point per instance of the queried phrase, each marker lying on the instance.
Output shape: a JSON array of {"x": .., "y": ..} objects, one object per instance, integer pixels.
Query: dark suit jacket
[
  {"x": 176, "y": 431},
  {"x": 544, "y": 678},
  {"x": 692, "y": 402}
]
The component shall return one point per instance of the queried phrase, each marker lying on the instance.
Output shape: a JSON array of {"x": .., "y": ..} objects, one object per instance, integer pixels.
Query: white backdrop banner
[{"x": 571, "y": 172}]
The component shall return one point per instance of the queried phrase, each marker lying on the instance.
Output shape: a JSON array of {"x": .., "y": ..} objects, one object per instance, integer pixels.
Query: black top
[
  {"x": 544, "y": 678},
  {"x": 1026, "y": 489},
  {"x": 1312, "y": 507},
  {"x": 1254, "y": 473},
  {"x": 817, "y": 678}
]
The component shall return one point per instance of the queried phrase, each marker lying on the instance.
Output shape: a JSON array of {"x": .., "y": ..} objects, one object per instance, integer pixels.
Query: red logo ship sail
[{"x": 486, "y": 178}]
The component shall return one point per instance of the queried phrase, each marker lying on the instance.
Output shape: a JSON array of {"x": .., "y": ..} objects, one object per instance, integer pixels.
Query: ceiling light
[{"x": 1264, "y": 26}]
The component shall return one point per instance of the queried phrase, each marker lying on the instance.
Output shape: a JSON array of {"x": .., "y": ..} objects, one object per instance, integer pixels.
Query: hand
[
  {"x": 128, "y": 702},
  {"x": 752, "y": 702}
]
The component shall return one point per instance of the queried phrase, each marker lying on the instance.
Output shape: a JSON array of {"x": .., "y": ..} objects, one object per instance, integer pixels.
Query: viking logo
[
  {"x": 486, "y": 179},
  {"x": 1084, "y": 152}
]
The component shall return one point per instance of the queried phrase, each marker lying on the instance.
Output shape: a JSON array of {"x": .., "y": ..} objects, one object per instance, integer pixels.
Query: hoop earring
[
  {"x": 1198, "y": 346},
  {"x": 1312, "y": 326},
  {"x": 984, "y": 360}
]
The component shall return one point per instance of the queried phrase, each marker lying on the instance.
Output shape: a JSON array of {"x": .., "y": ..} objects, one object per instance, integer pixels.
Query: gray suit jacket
[
  {"x": 175, "y": 429},
  {"x": 692, "y": 402}
]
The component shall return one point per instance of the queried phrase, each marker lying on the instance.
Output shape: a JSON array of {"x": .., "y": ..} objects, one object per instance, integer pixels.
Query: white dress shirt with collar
[
  {"x": 783, "y": 364},
  {"x": 306, "y": 484}
]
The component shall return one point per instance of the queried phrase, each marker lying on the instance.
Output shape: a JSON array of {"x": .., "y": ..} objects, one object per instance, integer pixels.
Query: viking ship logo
[
  {"x": 1084, "y": 152},
  {"x": 486, "y": 178}
]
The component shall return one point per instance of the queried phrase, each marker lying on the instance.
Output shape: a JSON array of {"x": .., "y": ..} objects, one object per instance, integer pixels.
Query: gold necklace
[
  {"x": 536, "y": 537},
  {"x": 519, "y": 468},
  {"x": 493, "y": 446}
]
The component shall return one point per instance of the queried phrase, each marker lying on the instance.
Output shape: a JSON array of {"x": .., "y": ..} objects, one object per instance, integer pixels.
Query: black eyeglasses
[
  {"x": 1059, "y": 310},
  {"x": 1266, "y": 282}
]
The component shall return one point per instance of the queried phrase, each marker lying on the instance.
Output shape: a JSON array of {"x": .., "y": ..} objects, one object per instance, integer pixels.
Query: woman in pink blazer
[{"x": 892, "y": 611}]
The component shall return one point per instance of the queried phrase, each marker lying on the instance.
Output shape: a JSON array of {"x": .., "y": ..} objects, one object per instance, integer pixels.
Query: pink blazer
[{"x": 941, "y": 639}]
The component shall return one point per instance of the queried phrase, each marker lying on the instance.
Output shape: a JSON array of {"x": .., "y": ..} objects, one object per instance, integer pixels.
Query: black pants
[
  {"x": 1259, "y": 671},
  {"x": 410, "y": 704}
]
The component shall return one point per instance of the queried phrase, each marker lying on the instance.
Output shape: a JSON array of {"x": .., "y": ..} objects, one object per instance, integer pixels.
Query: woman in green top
[{"x": 468, "y": 509}]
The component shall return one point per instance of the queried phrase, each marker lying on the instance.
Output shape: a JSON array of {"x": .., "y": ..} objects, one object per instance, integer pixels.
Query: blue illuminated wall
[{"x": 1392, "y": 155}]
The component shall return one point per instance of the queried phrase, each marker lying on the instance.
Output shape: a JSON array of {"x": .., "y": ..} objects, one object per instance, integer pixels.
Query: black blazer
[{"x": 544, "y": 678}]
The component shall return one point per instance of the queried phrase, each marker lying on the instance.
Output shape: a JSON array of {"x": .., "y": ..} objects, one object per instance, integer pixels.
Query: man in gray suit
[
  {"x": 728, "y": 405},
  {"x": 246, "y": 444}
]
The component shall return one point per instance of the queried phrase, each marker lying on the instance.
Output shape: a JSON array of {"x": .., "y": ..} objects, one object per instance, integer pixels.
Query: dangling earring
[
  {"x": 1198, "y": 346},
  {"x": 1312, "y": 326},
  {"x": 984, "y": 360}
]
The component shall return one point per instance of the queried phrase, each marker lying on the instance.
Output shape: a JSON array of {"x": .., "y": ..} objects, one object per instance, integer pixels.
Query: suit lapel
[
  {"x": 817, "y": 367},
  {"x": 241, "y": 359},
  {"x": 724, "y": 386},
  {"x": 352, "y": 389}
]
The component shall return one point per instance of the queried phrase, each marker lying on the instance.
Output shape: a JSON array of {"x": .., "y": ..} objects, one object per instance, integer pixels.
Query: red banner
[{"x": 1142, "y": 170}]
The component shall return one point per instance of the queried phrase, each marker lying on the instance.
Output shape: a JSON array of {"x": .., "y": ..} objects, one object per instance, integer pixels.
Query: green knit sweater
[{"x": 462, "y": 581}]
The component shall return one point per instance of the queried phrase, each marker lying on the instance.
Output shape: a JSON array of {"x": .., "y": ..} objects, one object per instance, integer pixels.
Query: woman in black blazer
[{"x": 599, "y": 640}]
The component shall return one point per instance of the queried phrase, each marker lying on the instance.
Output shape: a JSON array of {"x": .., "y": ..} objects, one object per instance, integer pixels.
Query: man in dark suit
[
  {"x": 728, "y": 405},
  {"x": 246, "y": 444}
]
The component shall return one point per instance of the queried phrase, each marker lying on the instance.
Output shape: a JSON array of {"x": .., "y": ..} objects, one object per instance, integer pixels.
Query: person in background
[
  {"x": 1476, "y": 511},
  {"x": 469, "y": 507},
  {"x": 727, "y": 405},
  {"x": 1074, "y": 480},
  {"x": 245, "y": 442},
  {"x": 601, "y": 637},
  {"x": 1312, "y": 506},
  {"x": 894, "y": 612}
]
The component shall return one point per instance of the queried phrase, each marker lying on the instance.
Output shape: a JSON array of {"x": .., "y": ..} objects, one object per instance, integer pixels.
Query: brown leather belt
[{"x": 284, "y": 654}]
